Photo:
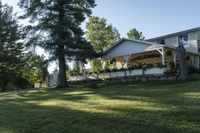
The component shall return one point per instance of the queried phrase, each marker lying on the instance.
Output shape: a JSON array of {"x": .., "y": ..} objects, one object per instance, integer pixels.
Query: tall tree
[
  {"x": 135, "y": 34},
  {"x": 100, "y": 34},
  {"x": 10, "y": 46},
  {"x": 183, "y": 70},
  {"x": 57, "y": 29},
  {"x": 35, "y": 70}
]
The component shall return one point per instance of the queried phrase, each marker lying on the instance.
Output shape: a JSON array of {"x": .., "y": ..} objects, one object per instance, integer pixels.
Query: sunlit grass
[
  {"x": 192, "y": 95},
  {"x": 135, "y": 107}
]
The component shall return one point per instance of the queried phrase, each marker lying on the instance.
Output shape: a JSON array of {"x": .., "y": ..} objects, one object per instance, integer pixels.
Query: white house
[
  {"x": 128, "y": 52},
  {"x": 156, "y": 52},
  {"x": 52, "y": 79}
]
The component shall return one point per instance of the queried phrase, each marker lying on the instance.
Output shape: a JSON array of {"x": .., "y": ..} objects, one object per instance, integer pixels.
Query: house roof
[
  {"x": 152, "y": 46},
  {"x": 174, "y": 34}
]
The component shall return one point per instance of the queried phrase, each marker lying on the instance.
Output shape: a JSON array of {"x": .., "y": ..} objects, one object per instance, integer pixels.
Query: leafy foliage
[
  {"x": 96, "y": 65},
  {"x": 10, "y": 46},
  {"x": 101, "y": 35},
  {"x": 135, "y": 34},
  {"x": 35, "y": 70}
]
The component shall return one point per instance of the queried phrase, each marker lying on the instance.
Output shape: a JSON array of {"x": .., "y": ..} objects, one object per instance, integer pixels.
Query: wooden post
[
  {"x": 103, "y": 64},
  {"x": 174, "y": 58},
  {"x": 126, "y": 57},
  {"x": 163, "y": 56}
]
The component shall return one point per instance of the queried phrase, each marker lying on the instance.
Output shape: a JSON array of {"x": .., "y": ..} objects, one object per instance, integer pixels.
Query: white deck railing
[{"x": 120, "y": 74}]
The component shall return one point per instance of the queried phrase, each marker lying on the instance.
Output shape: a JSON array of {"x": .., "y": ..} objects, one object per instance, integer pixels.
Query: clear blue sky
[{"x": 152, "y": 17}]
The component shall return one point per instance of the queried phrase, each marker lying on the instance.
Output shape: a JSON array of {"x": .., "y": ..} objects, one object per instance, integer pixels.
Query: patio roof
[
  {"x": 150, "y": 46},
  {"x": 153, "y": 45}
]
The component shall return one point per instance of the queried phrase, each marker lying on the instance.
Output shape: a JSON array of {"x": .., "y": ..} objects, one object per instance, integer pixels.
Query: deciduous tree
[
  {"x": 135, "y": 34},
  {"x": 101, "y": 35}
]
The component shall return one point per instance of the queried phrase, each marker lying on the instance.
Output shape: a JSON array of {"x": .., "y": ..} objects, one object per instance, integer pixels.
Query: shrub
[
  {"x": 132, "y": 67},
  {"x": 108, "y": 70},
  {"x": 114, "y": 70},
  {"x": 122, "y": 69},
  {"x": 160, "y": 65},
  {"x": 147, "y": 66},
  {"x": 171, "y": 72},
  {"x": 192, "y": 70},
  {"x": 96, "y": 65},
  {"x": 19, "y": 83},
  {"x": 90, "y": 72},
  {"x": 169, "y": 53},
  {"x": 23, "y": 83},
  {"x": 139, "y": 66},
  {"x": 172, "y": 64}
]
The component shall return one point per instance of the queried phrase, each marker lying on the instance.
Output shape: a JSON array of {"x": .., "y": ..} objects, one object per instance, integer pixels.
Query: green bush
[
  {"x": 114, "y": 70},
  {"x": 171, "y": 72},
  {"x": 19, "y": 83},
  {"x": 139, "y": 66},
  {"x": 192, "y": 70},
  {"x": 160, "y": 65}
]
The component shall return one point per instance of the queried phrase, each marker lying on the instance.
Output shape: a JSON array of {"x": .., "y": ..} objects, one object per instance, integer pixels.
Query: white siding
[
  {"x": 198, "y": 41},
  {"x": 172, "y": 41},
  {"x": 194, "y": 61},
  {"x": 192, "y": 43},
  {"x": 198, "y": 34},
  {"x": 129, "y": 47},
  {"x": 53, "y": 78}
]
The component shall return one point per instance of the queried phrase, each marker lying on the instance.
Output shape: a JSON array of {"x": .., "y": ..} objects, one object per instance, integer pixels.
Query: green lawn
[{"x": 150, "y": 107}]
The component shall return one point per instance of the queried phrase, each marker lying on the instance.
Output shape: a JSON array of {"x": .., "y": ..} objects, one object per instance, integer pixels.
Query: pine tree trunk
[
  {"x": 62, "y": 70},
  {"x": 182, "y": 63},
  {"x": 61, "y": 55}
]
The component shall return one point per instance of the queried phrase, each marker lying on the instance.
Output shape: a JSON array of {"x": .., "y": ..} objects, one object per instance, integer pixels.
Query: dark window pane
[
  {"x": 183, "y": 39},
  {"x": 161, "y": 41}
]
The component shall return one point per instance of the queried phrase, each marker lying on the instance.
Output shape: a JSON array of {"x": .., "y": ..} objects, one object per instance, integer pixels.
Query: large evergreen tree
[
  {"x": 10, "y": 46},
  {"x": 57, "y": 29}
]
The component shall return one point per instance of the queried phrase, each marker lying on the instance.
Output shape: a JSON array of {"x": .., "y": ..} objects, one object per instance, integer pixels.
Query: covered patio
[{"x": 130, "y": 53}]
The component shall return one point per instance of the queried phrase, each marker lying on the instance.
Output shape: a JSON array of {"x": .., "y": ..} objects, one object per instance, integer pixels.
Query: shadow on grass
[{"x": 107, "y": 109}]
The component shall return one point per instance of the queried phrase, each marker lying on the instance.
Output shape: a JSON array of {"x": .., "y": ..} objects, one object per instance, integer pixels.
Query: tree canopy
[
  {"x": 10, "y": 46},
  {"x": 56, "y": 28},
  {"x": 35, "y": 70},
  {"x": 135, "y": 34},
  {"x": 101, "y": 35}
]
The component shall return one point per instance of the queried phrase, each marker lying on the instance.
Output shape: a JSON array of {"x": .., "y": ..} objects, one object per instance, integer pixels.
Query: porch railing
[{"x": 119, "y": 74}]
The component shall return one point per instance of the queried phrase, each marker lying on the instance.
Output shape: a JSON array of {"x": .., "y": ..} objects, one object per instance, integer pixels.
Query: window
[
  {"x": 199, "y": 45},
  {"x": 183, "y": 39},
  {"x": 161, "y": 41}
]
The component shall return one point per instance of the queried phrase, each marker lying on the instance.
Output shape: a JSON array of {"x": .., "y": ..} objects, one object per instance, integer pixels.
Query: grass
[{"x": 117, "y": 108}]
